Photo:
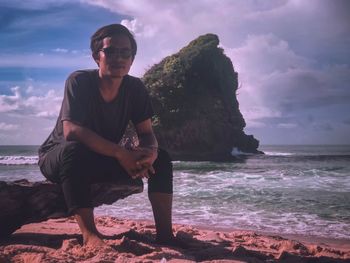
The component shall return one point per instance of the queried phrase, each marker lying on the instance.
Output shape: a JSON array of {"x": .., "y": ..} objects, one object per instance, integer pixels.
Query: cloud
[
  {"x": 301, "y": 89},
  {"x": 60, "y": 50},
  {"x": 257, "y": 112},
  {"x": 287, "y": 125},
  {"x": 10, "y": 102},
  {"x": 323, "y": 126},
  {"x": 312, "y": 27},
  {"x": 266, "y": 54},
  {"x": 29, "y": 89},
  {"x": 163, "y": 27},
  {"x": 48, "y": 60},
  {"x": 46, "y": 106},
  {"x": 25, "y": 117},
  {"x": 276, "y": 79},
  {"x": 8, "y": 127},
  {"x": 263, "y": 63}
]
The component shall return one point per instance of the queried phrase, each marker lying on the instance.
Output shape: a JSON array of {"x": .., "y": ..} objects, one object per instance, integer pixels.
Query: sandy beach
[{"x": 58, "y": 240}]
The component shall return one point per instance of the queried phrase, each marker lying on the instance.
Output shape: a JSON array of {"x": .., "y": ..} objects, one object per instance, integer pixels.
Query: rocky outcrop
[
  {"x": 194, "y": 96},
  {"x": 23, "y": 202}
]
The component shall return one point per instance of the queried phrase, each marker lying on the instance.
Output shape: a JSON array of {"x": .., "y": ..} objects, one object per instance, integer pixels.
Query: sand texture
[{"x": 133, "y": 241}]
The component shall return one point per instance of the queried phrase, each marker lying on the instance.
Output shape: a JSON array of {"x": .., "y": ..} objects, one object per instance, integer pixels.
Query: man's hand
[
  {"x": 138, "y": 162},
  {"x": 148, "y": 148},
  {"x": 149, "y": 155}
]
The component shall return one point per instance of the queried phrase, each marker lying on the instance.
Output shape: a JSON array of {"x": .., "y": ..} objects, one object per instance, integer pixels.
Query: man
[{"x": 83, "y": 147}]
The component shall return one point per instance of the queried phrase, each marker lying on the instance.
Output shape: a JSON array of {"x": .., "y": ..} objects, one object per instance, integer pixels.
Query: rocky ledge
[{"x": 23, "y": 202}]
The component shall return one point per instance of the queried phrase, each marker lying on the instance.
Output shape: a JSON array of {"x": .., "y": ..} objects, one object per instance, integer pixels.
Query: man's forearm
[
  {"x": 148, "y": 140},
  {"x": 75, "y": 132}
]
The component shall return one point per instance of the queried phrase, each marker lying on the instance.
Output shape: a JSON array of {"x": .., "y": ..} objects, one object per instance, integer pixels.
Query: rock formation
[
  {"x": 23, "y": 202},
  {"x": 194, "y": 96}
]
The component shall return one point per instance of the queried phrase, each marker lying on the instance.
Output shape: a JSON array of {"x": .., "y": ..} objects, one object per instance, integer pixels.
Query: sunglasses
[{"x": 124, "y": 53}]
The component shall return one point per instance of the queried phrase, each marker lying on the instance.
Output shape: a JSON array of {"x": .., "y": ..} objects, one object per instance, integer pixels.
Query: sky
[{"x": 292, "y": 59}]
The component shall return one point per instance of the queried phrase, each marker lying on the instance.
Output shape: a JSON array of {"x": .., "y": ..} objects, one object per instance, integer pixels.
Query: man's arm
[
  {"x": 148, "y": 145},
  {"x": 75, "y": 132},
  {"x": 146, "y": 136},
  {"x": 128, "y": 159}
]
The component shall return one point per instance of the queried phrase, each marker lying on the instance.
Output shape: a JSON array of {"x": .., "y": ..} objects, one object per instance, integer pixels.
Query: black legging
[{"x": 75, "y": 167}]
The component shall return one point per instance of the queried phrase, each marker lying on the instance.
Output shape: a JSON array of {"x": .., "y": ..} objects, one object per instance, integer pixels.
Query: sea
[{"x": 291, "y": 189}]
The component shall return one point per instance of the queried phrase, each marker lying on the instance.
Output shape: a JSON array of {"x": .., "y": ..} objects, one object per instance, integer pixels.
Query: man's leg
[
  {"x": 73, "y": 166},
  {"x": 161, "y": 206},
  {"x": 160, "y": 194},
  {"x": 85, "y": 220}
]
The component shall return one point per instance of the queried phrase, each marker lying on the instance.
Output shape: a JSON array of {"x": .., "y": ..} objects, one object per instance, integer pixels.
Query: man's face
[{"x": 115, "y": 58}]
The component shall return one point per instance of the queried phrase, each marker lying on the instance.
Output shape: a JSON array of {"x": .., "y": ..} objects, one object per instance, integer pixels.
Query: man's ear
[{"x": 96, "y": 57}]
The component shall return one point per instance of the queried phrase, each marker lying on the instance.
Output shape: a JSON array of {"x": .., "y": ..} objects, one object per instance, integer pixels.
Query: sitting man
[{"x": 83, "y": 147}]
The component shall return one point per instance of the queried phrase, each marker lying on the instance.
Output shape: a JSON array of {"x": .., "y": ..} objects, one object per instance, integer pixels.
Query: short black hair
[{"x": 108, "y": 31}]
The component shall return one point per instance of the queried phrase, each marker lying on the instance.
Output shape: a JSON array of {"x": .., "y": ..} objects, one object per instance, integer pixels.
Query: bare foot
[{"x": 93, "y": 240}]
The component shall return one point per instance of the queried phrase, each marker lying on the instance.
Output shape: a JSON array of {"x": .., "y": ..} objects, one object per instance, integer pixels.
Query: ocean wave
[
  {"x": 278, "y": 154},
  {"x": 18, "y": 160},
  {"x": 238, "y": 216},
  {"x": 237, "y": 152}
]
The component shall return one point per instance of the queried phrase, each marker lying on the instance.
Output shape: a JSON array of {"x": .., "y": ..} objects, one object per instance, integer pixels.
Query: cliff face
[{"x": 194, "y": 96}]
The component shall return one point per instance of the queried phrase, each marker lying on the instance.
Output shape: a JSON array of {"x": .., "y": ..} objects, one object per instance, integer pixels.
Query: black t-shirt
[{"x": 83, "y": 104}]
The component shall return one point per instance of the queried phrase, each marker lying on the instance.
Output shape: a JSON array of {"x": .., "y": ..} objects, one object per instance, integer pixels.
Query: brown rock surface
[{"x": 23, "y": 202}]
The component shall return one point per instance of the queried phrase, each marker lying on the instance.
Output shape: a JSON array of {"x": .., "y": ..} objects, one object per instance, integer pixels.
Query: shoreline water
[
  {"x": 342, "y": 243},
  {"x": 296, "y": 236}
]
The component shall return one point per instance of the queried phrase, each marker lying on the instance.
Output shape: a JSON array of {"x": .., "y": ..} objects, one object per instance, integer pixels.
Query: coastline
[
  {"x": 291, "y": 190},
  {"x": 309, "y": 239},
  {"x": 133, "y": 241}
]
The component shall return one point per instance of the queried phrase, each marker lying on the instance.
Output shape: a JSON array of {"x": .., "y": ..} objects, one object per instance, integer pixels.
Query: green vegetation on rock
[{"x": 194, "y": 96}]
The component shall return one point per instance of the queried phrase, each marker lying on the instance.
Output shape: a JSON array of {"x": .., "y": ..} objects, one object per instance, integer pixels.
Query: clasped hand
[{"x": 138, "y": 162}]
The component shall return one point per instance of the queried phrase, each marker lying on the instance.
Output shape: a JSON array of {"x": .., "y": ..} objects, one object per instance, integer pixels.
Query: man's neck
[
  {"x": 107, "y": 83},
  {"x": 109, "y": 87}
]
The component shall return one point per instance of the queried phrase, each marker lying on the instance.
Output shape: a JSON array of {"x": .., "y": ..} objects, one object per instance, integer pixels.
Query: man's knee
[
  {"x": 75, "y": 160},
  {"x": 163, "y": 164},
  {"x": 162, "y": 181},
  {"x": 63, "y": 157},
  {"x": 73, "y": 151}
]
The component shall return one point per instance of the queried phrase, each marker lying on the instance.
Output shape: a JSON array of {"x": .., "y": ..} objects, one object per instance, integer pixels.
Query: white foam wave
[
  {"x": 236, "y": 152},
  {"x": 18, "y": 160},
  {"x": 281, "y": 223},
  {"x": 278, "y": 154}
]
